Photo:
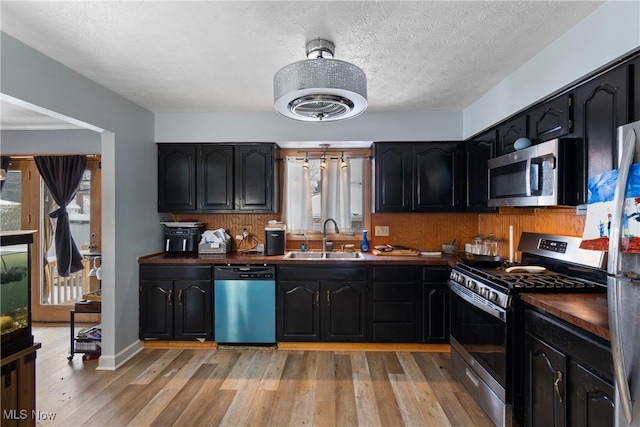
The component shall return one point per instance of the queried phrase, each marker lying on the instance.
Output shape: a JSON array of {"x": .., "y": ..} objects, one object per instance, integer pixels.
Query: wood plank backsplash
[
  {"x": 427, "y": 231},
  {"x": 563, "y": 221}
]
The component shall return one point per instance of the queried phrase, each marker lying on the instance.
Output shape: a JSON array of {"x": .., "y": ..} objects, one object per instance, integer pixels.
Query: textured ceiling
[{"x": 212, "y": 56}]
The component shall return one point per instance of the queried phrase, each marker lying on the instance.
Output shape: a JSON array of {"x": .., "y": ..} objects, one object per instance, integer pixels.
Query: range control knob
[
  {"x": 483, "y": 292},
  {"x": 493, "y": 296},
  {"x": 471, "y": 284}
]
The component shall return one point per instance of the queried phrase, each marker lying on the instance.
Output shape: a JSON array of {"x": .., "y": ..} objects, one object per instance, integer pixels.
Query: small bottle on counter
[{"x": 364, "y": 244}]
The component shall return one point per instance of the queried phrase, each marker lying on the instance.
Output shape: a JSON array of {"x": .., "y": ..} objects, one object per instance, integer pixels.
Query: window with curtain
[{"x": 314, "y": 194}]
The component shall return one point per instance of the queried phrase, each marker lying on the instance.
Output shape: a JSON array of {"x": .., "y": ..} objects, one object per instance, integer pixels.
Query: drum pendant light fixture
[{"x": 320, "y": 88}]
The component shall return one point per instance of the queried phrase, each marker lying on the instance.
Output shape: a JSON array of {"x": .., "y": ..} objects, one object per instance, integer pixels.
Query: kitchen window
[{"x": 314, "y": 192}]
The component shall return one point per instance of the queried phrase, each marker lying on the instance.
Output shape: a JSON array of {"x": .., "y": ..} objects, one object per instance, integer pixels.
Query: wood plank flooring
[{"x": 250, "y": 387}]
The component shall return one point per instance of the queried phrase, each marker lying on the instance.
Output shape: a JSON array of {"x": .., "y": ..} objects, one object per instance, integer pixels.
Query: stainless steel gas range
[{"x": 487, "y": 329}]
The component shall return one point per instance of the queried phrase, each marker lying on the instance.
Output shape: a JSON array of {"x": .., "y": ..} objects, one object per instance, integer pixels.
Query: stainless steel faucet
[{"x": 324, "y": 232}]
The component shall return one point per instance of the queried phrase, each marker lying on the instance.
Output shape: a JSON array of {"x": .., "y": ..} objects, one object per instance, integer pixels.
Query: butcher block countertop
[
  {"x": 586, "y": 311},
  {"x": 256, "y": 258}
]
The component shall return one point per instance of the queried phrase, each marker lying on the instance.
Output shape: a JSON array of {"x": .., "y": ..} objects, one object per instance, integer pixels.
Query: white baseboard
[{"x": 111, "y": 363}]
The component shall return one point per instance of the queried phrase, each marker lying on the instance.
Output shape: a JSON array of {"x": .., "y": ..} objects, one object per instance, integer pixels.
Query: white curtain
[
  {"x": 336, "y": 191},
  {"x": 297, "y": 189}
]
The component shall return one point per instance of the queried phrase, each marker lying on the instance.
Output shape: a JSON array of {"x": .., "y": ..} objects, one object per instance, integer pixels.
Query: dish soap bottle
[{"x": 364, "y": 244}]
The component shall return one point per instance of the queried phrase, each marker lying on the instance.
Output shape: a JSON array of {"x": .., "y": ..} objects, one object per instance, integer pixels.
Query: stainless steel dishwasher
[{"x": 245, "y": 305}]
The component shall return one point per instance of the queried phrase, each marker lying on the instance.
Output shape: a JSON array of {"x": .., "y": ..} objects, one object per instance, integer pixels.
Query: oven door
[{"x": 479, "y": 335}]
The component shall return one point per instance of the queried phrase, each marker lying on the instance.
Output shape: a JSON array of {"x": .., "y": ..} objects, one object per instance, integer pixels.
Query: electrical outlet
[{"x": 382, "y": 230}]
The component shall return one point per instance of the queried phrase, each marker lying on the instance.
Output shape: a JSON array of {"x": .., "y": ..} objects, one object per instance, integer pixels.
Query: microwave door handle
[
  {"x": 167, "y": 245},
  {"x": 527, "y": 177}
]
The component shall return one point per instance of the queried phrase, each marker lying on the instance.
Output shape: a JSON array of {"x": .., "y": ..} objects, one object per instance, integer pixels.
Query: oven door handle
[{"x": 478, "y": 301}]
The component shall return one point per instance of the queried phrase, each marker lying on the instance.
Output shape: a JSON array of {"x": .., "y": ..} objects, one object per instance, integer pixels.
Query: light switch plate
[{"x": 381, "y": 230}]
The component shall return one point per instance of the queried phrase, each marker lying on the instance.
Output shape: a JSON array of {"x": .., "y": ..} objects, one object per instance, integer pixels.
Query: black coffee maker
[{"x": 182, "y": 237}]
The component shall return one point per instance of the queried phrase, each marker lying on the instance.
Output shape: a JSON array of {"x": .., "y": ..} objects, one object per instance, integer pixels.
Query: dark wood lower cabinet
[
  {"x": 402, "y": 304},
  {"x": 591, "y": 399},
  {"x": 176, "y": 303},
  {"x": 546, "y": 384},
  {"x": 435, "y": 305},
  {"x": 319, "y": 304},
  {"x": 568, "y": 375},
  {"x": 394, "y": 304}
]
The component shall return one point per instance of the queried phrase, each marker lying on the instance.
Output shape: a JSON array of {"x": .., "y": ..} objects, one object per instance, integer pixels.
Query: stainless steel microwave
[{"x": 540, "y": 175}]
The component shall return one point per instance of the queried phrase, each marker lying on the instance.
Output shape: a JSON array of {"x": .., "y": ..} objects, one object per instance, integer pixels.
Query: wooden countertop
[
  {"x": 586, "y": 311},
  {"x": 255, "y": 258}
]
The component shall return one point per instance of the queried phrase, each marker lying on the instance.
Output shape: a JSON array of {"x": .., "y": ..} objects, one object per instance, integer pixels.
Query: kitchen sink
[
  {"x": 323, "y": 255},
  {"x": 303, "y": 255},
  {"x": 344, "y": 255}
]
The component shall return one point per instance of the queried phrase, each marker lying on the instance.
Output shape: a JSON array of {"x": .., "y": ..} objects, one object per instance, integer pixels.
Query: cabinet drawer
[
  {"x": 393, "y": 274},
  {"x": 393, "y": 291},
  {"x": 315, "y": 272},
  {"x": 175, "y": 272},
  {"x": 393, "y": 332},
  {"x": 435, "y": 274},
  {"x": 393, "y": 312}
]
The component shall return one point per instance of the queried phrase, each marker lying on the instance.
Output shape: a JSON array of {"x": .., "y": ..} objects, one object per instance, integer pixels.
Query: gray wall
[
  {"x": 369, "y": 126},
  {"x": 130, "y": 222},
  {"x": 68, "y": 141}
]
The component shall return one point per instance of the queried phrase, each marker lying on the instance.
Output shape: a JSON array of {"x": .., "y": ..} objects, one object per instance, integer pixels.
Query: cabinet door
[
  {"x": 193, "y": 315},
  {"x": 176, "y": 177},
  {"x": 435, "y": 304},
  {"x": 509, "y": 132},
  {"x": 254, "y": 177},
  {"x": 215, "y": 177},
  {"x": 298, "y": 311},
  {"x": 438, "y": 177},
  {"x": 156, "y": 309},
  {"x": 479, "y": 151},
  {"x": 435, "y": 313},
  {"x": 343, "y": 311},
  {"x": 591, "y": 399},
  {"x": 552, "y": 119},
  {"x": 393, "y": 169},
  {"x": 635, "y": 102},
  {"x": 601, "y": 106},
  {"x": 545, "y": 384}
]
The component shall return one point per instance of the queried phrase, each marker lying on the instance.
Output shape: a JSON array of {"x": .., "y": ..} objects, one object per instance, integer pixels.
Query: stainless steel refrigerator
[{"x": 623, "y": 289}]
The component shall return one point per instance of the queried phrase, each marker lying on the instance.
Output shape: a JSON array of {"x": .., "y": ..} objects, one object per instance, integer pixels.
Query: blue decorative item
[
  {"x": 364, "y": 244},
  {"x": 522, "y": 143}
]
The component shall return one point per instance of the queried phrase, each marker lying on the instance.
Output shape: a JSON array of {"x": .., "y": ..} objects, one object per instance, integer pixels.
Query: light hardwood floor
[{"x": 250, "y": 387}]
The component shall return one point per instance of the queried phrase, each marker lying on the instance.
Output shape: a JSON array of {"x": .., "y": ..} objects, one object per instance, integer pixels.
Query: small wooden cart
[{"x": 87, "y": 344}]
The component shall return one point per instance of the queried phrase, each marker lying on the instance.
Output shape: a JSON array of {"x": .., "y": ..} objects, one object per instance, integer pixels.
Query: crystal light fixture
[{"x": 320, "y": 88}]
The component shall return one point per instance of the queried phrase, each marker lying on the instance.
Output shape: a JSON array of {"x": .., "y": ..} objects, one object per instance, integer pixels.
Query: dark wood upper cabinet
[
  {"x": 438, "y": 180},
  {"x": 479, "y": 150},
  {"x": 394, "y": 170},
  {"x": 254, "y": 177},
  {"x": 635, "y": 102},
  {"x": 176, "y": 177},
  {"x": 602, "y": 104},
  {"x": 509, "y": 132},
  {"x": 552, "y": 119},
  {"x": 217, "y": 177},
  {"x": 419, "y": 177}
]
